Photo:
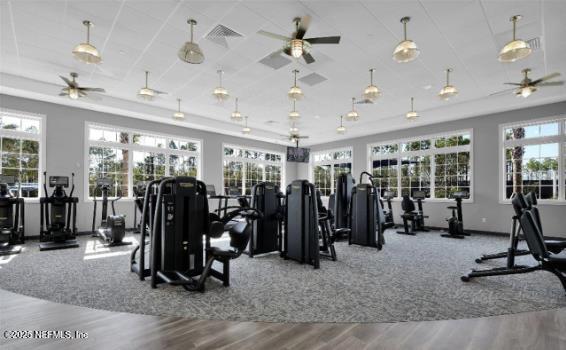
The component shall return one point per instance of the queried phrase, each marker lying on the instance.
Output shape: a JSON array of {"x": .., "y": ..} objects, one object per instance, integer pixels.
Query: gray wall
[
  {"x": 485, "y": 168},
  {"x": 65, "y": 151}
]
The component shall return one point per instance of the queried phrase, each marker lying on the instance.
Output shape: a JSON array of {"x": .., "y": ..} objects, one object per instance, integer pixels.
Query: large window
[
  {"x": 244, "y": 168},
  {"x": 327, "y": 165},
  {"x": 129, "y": 156},
  {"x": 21, "y": 151},
  {"x": 439, "y": 165},
  {"x": 534, "y": 159}
]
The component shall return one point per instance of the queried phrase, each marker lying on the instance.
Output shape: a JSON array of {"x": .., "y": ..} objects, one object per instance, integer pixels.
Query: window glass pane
[
  {"x": 322, "y": 179},
  {"x": 233, "y": 176},
  {"x": 254, "y": 175},
  {"x": 532, "y": 131},
  {"x": 182, "y": 165},
  {"x": 273, "y": 174},
  {"x": 11, "y": 123},
  {"x": 110, "y": 163},
  {"x": 148, "y": 166}
]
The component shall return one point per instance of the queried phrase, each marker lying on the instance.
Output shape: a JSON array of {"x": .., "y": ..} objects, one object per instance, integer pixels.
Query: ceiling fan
[
  {"x": 297, "y": 45},
  {"x": 73, "y": 90},
  {"x": 294, "y": 137},
  {"x": 527, "y": 86},
  {"x": 147, "y": 93}
]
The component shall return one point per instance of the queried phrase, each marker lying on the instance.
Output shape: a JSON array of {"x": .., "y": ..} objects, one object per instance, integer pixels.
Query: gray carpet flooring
[{"x": 411, "y": 279}]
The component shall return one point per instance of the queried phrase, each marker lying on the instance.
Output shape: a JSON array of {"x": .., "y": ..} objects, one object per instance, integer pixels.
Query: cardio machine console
[
  {"x": 62, "y": 181},
  {"x": 388, "y": 194},
  {"x": 419, "y": 195},
  {"x": 7, "y": 179},
  {"x": 461, "y": 195},
  {"x": 104, "y": 182}
]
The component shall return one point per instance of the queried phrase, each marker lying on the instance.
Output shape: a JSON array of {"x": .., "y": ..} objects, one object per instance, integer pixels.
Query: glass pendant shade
[
  {"x": 190, "y": 52},
  {"x": 236, "y": 115},
  {"x": 353, "y": 115},
  {"x": 178, "y": 114},
  {"x": 246, "y": 130},
  {"x": 73, "y": 93},
  {"x": 294, "y": 115},
  {"x": 293, "y": 129},
  {"x": 296, "y": 48},
  {"x": 406, "y": 50},
  {"x": 220, "y": 93},
  {"x": 371, "y": 92},
  {"x": 295, "y": 93},
  {"x": 448, "y": 91},
  {"x": 146, "y": 94},
  {"x": 525, "y": 91},
  {"x": 412, "y": 114},
  {"x": 85, "y": 52},
  {"x": 341, "y": 129},
  {"x": 516, "y": 49}
]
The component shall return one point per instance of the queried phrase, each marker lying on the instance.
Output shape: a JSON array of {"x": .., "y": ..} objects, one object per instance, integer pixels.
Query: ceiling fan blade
[
  {"x": 364, "y": 102},
  {"x": 160, "y": 92},
  {"x": 518, "y": 84},
  {"x": 303, "y": 27},
  {"x": 82, "y": 93},
  {"x": 67, "y": 81},
  {"x": 308, "y": 57},
  {"x": 324, "y": 40},
  {"x": 550, "y": 76},
  {"x": 552, "y": 83},
  {"x": 273, "y": 35},
  {"x": 92, "y": 89}
]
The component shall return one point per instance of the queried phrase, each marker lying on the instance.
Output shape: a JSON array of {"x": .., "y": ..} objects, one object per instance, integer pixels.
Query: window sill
[{"x": 540, "y": 202}]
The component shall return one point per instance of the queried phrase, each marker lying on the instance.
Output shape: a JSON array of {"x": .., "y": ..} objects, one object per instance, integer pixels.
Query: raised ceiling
[{"x": 37, "y": 38}]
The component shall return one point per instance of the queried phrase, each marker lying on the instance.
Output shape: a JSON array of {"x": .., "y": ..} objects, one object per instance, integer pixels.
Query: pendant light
[
  {"x": 412, "y": 114},
  {"x": 190, "y": 52},
  {"x": 516, "y": 49},
  {"x": 85, "y": 52},
  {"x": 448, "y": 91},
  {"x": 246, "y": 130},
  {"x": 220, "y": 92},
  {"x": 295, "y": 93},
  {"x": 294, "y": 115},
  {"x": 145, "y": 93},
  {"x": 371, "y": 92},
  {"x": 353, "y": 115},
  {"x": 293, "y": 129},
  {"x": 236, "y": 115},
  {"x": 341, "y": 129},
  {"x": 407, "y": 50},
  {"x": 179, "y": 114}
]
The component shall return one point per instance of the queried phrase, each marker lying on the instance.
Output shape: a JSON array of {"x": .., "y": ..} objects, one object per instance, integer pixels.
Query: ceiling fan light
[
  {"x": 514, "y": 51},
  {"x": 246, "y": 130},
  {"x": 296, "y": 48},
  {"x": 293, "y": 129},
  {"x": 294, "y": 115},
  {"x": 73, "y": 94},
  {"x": 448, "y": 92},
  {"x": 371, "y": 93},
  {"x": 191, "y": 53},
  {"x": 221, "y": 94},
  {"x": 412, "y": 115},
  {"x": 146, "y": 94},
  {"x": 525, "y": 91},
  {"x": 406, "y": 51},
  {"x": 87, "y": 53},
  {"x": 295, "y": 93}
]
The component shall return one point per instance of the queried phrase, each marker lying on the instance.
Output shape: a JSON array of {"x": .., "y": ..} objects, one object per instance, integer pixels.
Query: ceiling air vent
[
  {"x": 220, "y": 33},
  {"x": 312, "y": 79},
  {"x": 275, "y": 60},
  {"x": 534, "y": 43}
]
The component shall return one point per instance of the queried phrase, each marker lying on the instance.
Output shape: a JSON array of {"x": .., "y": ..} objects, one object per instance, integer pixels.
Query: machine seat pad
[
  {"x": 343, "y": 230},
  {"x": 222, "y": 253},
  {"x": 555, "y": 246},
  {"x": 557, "y": 261}
]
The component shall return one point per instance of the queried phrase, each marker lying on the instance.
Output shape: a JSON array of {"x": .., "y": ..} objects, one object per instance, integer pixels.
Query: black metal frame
[
  {"x": 12, "y": 218},
  {"x": 415, "y": 217},
  {"x": 366, "y": 215},
  {"x": 456, "y": 222},
  {"x": 112, "y": 229},
  {"x": 266, "y": 235}
]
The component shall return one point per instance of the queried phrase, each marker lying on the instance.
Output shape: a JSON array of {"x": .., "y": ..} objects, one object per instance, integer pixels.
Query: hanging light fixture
[
  {"x": 246, "y": 130},
  {"x": 236, "y": 115},
  {"x": 293, "y": 129},
  {"x": 145, "y": 93},
  {"x": 85, "y": 52},
  {"x": 190, "y": 52},
  {"x": 341, "y": 129},
  {"x": 448, "y": 91},
  {"x": 516, "y": 49},
  {"x": 220, "y": 92},
  {"x": 407, "y": 50},
  {"x": 353, "y": 115},
  {"x": 179, "y": 114},
  {"x": 296, "y": 48},
  {"x": 412, "y": 114},
  {"x": 294, "y": 115},
  {"x": 371, "y": 92},
  {"x": 295, "y": 93}
]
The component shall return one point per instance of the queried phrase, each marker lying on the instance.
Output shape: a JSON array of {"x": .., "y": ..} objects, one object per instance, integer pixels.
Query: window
[
  {"x": 21, "y": 150},
  {"x": 439, "y": 165},
  {"x": 533, "y": 154},
  {"x": 129, "y": 156},
  {"x": 244, "y": 168},
  {"x": 327, "y": 166}
]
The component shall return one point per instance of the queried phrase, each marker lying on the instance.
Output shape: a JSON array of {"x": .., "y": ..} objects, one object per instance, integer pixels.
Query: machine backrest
[
  {"x": 531, "y": 198},
  {"x": 519, "y": 203},
  {"x": 533, "y": 236},
  {"x": 531, "y": 202},
  {"x": 407, "y": 204},
  {"x": 321, "y": 207},
  {"x": 240, "y": 235}
]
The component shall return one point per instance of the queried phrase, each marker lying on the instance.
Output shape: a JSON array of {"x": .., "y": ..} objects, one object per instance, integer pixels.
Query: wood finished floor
[{"x": 114, "y": 330}]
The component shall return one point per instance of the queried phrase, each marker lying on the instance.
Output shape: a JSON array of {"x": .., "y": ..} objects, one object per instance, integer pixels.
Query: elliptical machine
[
  {"x": 388, "y": 213},
  {"x": 11, "y": 217},
  {"x": 413, "y": 214},
  {"x": 112, "y": 228},
  {"x": 58, "y": 217},
  {"x": 456, "y": 223}
]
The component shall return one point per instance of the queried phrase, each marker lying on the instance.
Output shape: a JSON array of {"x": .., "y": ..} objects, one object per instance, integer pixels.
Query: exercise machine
[
  {"x": 58, "y": 217},
  {"x": 139, "y": 193},
  {"x": 524, "y": 220},
  {"x": 112, "y": 228},
  {"x": 302, "y": 234},
  {"x": 328, "y": 233},
  {"x": 267, "y": 232},
  {"x": 341, "y": 201},
  {"x": 366, "y": 215},
  {"x": 12, "y": 217},
  {"x": 456, "y": 222},
  {"x": 413, "y": 214},
  {"x": 388, "y": 213}
]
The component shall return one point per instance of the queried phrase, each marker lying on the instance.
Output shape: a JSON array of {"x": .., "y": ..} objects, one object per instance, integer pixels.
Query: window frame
[
  {"x": 243, "y": 160},
  {"x": 560, "y": 139},
  {"x": 330, "y": 163},
  {"x": 132, "y": 147},
  {"x": 432, "y": 151},
  {"x": 41, "y": 138}
]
